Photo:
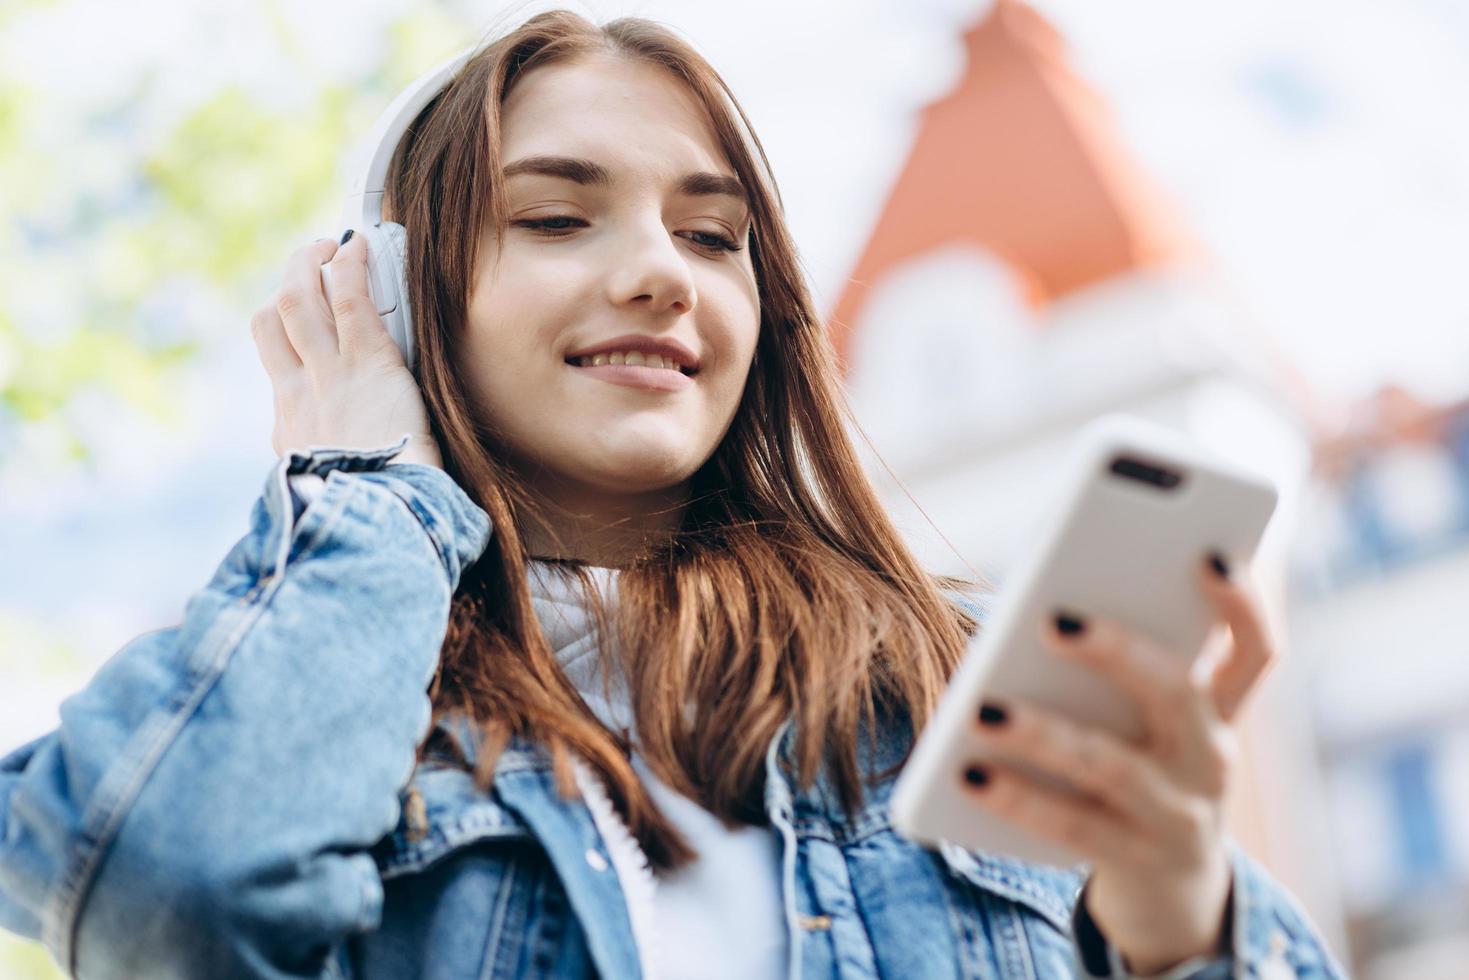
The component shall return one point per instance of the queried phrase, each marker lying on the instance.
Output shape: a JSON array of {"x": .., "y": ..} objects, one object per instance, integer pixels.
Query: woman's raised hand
[
  {"x": 339, "y": 379},
  {"x": 1151, "y": 821}
]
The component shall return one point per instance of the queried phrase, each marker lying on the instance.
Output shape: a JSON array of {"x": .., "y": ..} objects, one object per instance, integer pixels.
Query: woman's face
[{"x": 615, "y": 257}]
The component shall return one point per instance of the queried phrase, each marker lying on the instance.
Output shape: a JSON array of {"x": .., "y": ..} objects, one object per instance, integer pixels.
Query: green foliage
[
  {"x": 230, "y": 178},
  {"x": 43, "y": 377},
  {"x": 210, "y": 207}
]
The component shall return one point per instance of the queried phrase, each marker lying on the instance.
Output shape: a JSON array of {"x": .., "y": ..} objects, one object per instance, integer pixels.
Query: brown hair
[{"x": 787, "y": 594}]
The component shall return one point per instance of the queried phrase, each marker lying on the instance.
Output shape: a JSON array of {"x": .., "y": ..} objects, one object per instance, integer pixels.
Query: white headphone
[{"x": 363, "y": 209}]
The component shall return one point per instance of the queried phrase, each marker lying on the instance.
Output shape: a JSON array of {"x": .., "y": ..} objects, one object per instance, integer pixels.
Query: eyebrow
[{"x": 592, "y": 174}]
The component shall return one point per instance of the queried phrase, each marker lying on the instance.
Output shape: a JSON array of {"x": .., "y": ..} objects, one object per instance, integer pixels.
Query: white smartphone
[{"x": 1140, "y": 507}]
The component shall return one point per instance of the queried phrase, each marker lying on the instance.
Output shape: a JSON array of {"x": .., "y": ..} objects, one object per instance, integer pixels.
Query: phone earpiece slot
[{"x": 1132, "y": 468}]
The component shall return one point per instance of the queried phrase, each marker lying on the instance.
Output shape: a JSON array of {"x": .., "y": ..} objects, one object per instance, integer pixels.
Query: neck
[{"x": 592, "y": 526}]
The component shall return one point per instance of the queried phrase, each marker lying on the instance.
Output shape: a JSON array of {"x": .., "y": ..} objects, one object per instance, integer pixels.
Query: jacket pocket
[
  {"x": 468, "y": 892},
  {"x": 1020, "y": 911},
  {"x": 442, "y": 810}
]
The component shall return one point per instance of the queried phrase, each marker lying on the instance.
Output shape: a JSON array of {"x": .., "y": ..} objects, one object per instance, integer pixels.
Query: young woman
[{"x": 592, "y": 650}]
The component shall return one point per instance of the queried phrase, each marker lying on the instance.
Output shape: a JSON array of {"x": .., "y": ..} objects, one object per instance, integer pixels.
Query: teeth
[{"x": 631, "y": 358}]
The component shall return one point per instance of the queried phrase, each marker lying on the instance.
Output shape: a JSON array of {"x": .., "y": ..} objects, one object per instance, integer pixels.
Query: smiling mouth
[
  {"x": 632, "y": 359},
  {"x": 643, "y": 376}
]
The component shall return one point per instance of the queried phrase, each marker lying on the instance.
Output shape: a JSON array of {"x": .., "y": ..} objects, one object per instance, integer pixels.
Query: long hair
[{"x": 786, "y": 595}]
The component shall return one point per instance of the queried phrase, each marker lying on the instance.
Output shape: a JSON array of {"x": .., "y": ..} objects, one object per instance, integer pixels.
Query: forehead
[{"x": 612, "y": 109}]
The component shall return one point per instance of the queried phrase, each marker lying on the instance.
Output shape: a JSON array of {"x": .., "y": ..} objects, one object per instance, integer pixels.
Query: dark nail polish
[
  {"x": 1220, "y": 566},
  {"x": 347, "y": 237},
  {"x": 976, "y": 776},
  {"x": 992, "y": 714},
  {"x": 1070, "y": 625}
]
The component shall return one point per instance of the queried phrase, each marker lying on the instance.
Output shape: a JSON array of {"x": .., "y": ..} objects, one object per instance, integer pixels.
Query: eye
[
  {"x": 561, "y": 225},
  {"x": 551, "y": 225},
  {"x": 714, "y": 242}
]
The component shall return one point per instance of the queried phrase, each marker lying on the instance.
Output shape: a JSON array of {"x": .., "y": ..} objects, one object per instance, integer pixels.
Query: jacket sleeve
[
  {"x": 206, "y": 804},
  {"x": 1268, "y": 936}
]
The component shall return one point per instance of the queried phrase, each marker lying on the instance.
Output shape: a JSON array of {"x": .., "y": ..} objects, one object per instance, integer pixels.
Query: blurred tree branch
[{"x": 108, "y": 227}]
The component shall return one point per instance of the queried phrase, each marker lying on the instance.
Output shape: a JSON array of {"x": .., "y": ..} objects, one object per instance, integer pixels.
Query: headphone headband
[{"x": 363, "y": 207}]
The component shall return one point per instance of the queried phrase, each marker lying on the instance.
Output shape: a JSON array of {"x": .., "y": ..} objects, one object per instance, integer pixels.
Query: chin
[
  {"x": 633, "y": 462},
  {"x": 643, "y": 472}
]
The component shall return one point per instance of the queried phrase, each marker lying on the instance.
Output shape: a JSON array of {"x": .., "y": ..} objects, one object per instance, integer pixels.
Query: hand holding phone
[
  {"x": 1140, "y": 508},
  {"x": 1080, "y": 726}
]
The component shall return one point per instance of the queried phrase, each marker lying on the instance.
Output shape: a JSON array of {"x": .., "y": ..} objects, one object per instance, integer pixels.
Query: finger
[
  {"x": 1085, "y": 827},
  {"x": 277, "y": 355},
  {"x": 359, "y": 328},
  {"x": 1093, "y": 760},
  {"x": 303, "y": 307},
  {"x": 1154, "y": 679},
  {"x": 1251, "y": 653}
]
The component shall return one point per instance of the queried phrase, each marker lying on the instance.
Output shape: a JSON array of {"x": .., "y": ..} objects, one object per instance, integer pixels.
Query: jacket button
[
  {"x": 415, "y": 815},
  {"x": 596, "y": 860}
]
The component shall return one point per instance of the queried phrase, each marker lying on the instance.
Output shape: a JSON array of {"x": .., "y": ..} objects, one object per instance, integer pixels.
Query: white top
[{"x": 719, "y": 917}]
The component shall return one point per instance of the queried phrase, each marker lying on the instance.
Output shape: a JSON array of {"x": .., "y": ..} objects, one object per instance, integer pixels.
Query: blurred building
[
  {"x": 1380, "y": 572},
  {"x": 1024, "y": 277}
]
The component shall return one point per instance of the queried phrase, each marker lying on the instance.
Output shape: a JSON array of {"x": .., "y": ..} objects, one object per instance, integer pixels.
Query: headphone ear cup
[{"x": 388, "y": 245}]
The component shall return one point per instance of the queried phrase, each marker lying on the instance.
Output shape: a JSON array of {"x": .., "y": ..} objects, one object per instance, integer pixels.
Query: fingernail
[
  {"x": 976, "y": 776},
  {"x": 1069, "y": 625},
  {"x": 992, "y": 714},
  {"x": 1220, "y": 566},
  {"x": 347, "y": 237}
]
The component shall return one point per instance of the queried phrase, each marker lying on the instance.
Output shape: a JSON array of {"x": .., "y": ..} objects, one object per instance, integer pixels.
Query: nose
[{"x": 652, "y": 272}]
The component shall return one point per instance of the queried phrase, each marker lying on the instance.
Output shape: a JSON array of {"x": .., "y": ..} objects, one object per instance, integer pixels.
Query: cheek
[
  {"x": 501, "y": 366},
  {"x": 512, "y": 323},
  {"x": 519, "y": 293},
  {"x": 738, "y": 338}
]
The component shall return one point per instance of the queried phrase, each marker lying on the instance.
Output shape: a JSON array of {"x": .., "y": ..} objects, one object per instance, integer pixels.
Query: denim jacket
[{"x": 237, "y": 796}]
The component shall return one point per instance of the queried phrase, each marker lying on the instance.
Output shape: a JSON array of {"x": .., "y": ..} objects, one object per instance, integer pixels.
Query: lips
[
  {"x": 663, "y": 347},
  {"x": 633, "y": 376}
]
